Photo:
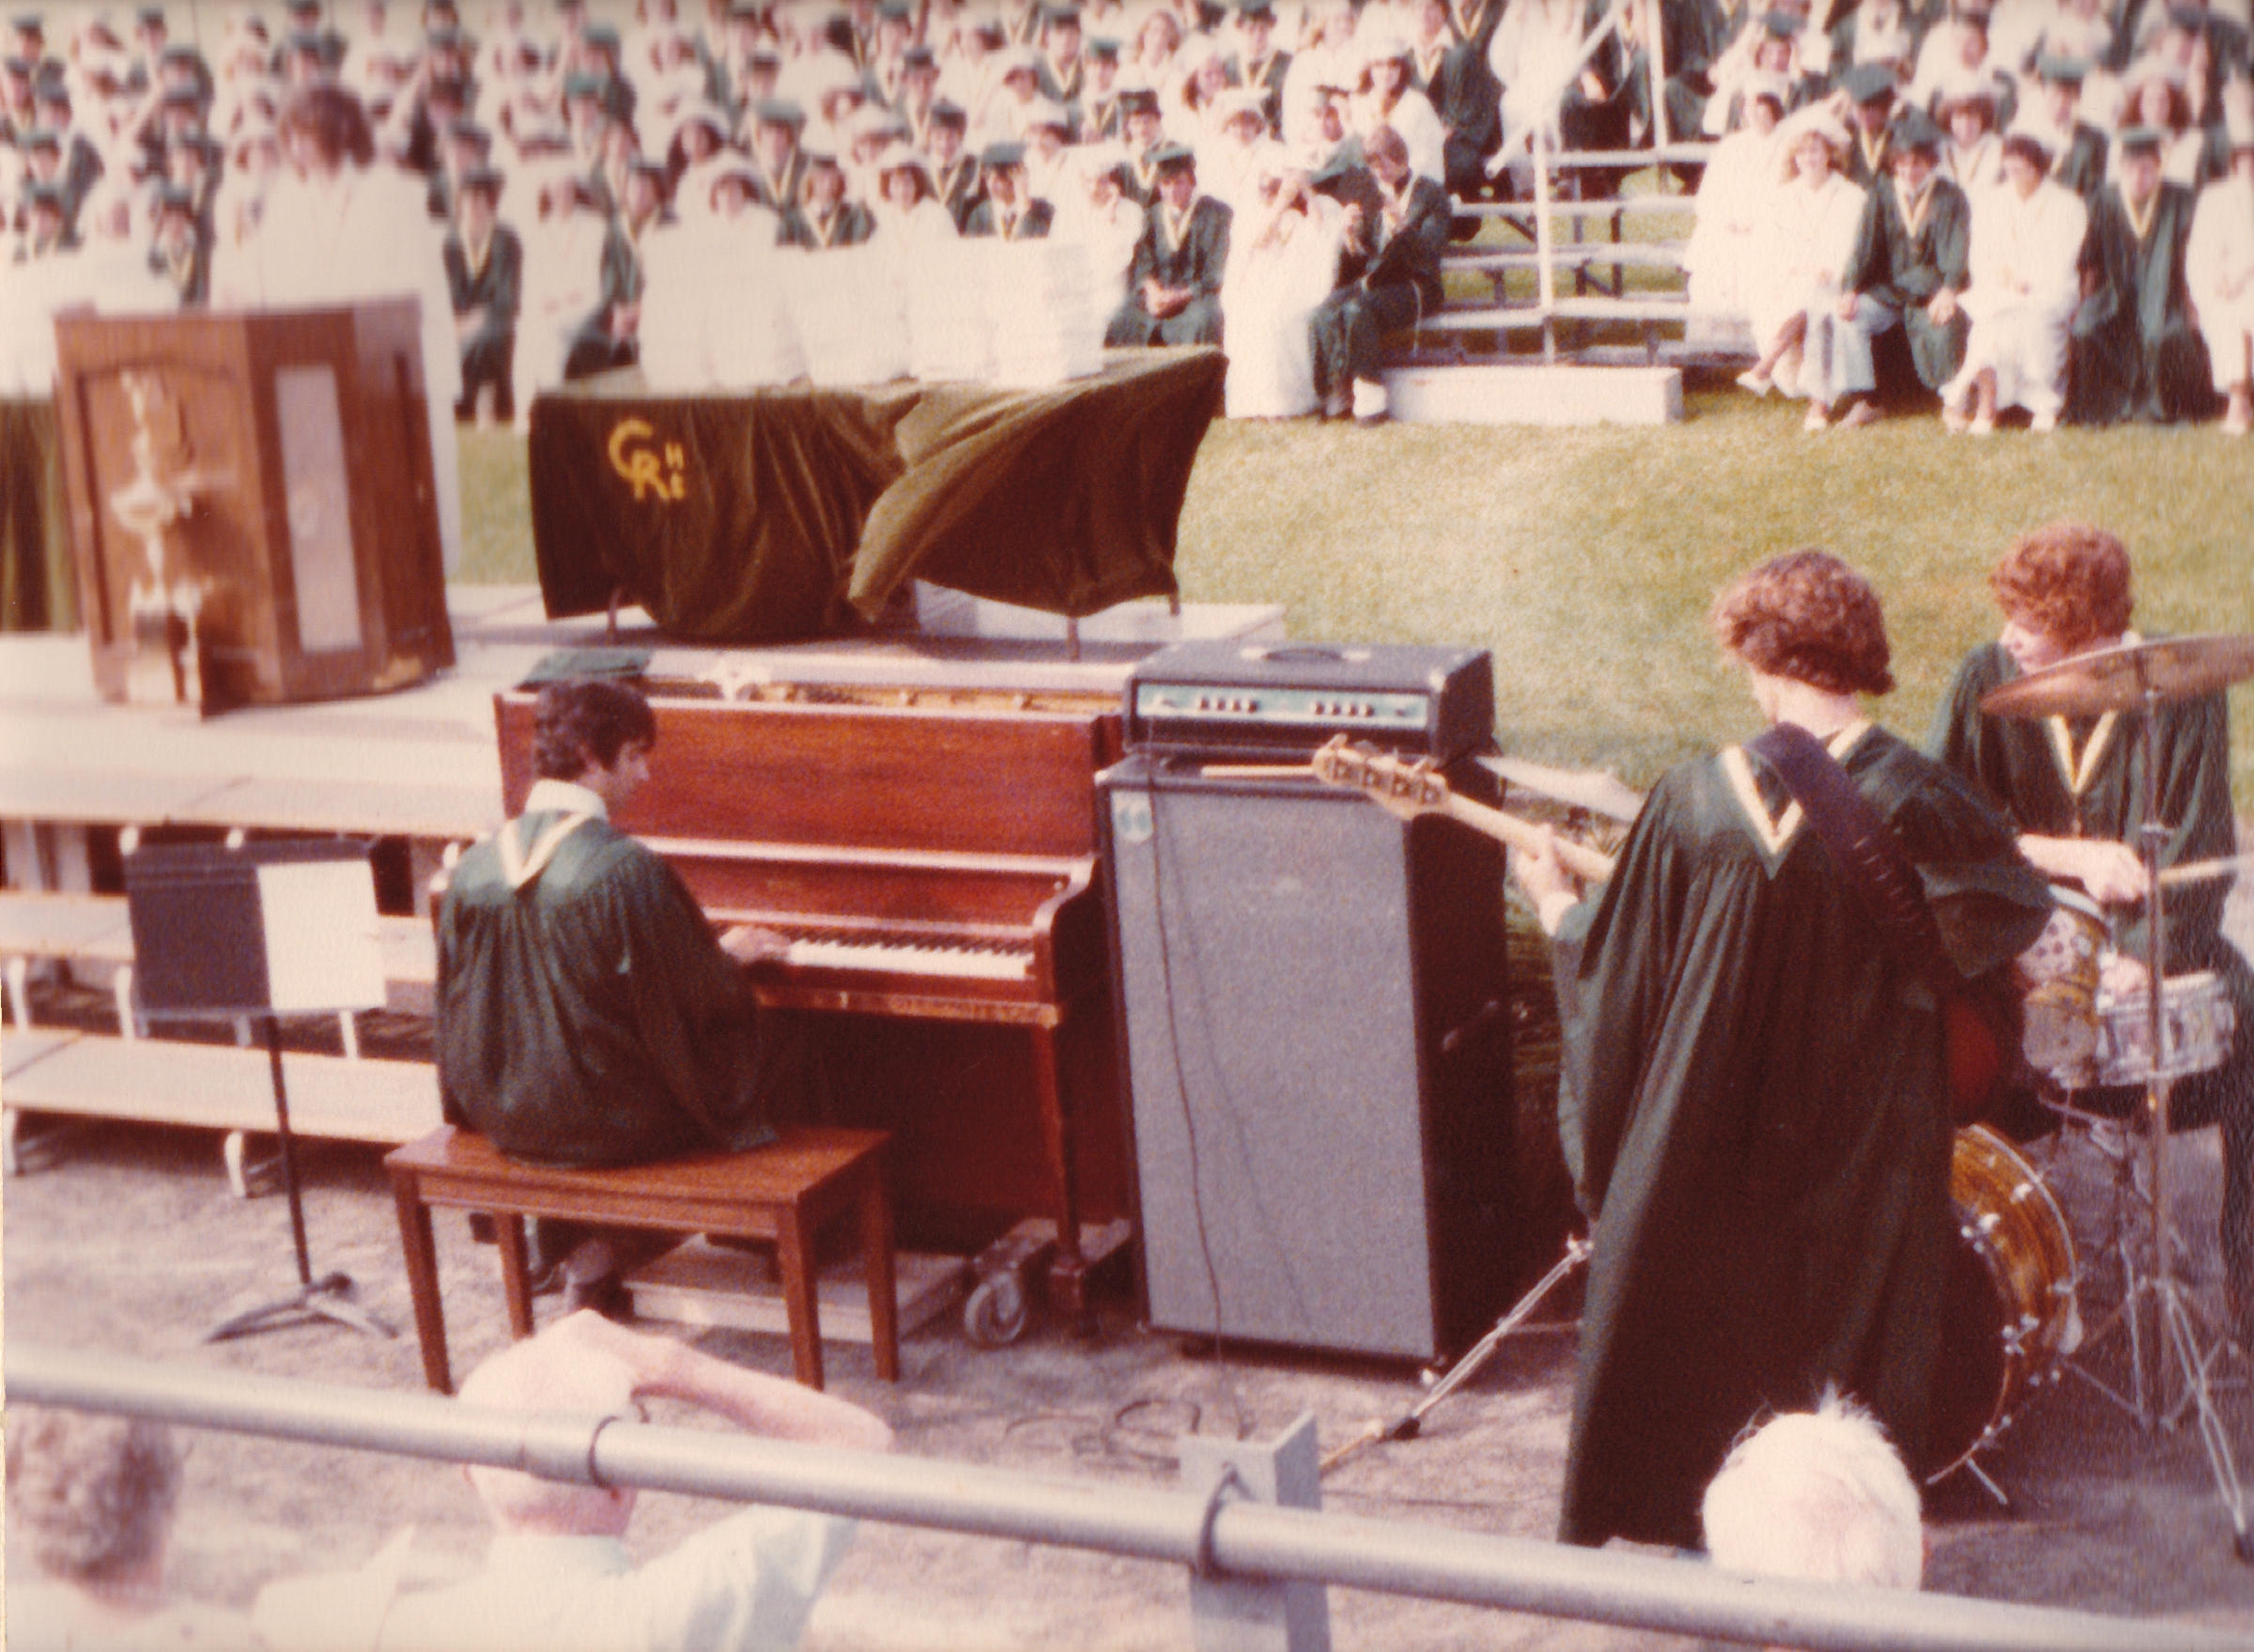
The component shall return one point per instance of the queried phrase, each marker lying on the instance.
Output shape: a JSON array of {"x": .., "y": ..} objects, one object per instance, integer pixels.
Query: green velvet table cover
[{"x": 761, "y": 516}]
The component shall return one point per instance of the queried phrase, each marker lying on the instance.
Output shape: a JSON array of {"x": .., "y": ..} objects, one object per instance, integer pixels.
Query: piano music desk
[{"x": 785, "y": 1192}]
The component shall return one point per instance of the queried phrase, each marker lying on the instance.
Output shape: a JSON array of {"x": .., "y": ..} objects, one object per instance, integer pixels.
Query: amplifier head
[{"x": 1216, "y": 697}]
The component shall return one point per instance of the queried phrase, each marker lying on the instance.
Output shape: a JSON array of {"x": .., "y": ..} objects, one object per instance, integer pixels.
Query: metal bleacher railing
[
  {"x": 1558, "y": 262},
  {"x": 1246, "y": 1544}
]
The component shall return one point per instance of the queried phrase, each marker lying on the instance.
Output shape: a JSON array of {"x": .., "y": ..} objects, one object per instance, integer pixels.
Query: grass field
[{"x": 1585, "y": 559}]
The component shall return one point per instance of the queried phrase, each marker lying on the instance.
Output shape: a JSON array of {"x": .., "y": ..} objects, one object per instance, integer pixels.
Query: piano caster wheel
[{"x": 995, "y": 1313}]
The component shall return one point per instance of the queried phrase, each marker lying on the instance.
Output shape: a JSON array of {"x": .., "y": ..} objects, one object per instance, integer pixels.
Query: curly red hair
[
  {"x": 1808, "y": 616},
  {"x": 2069, "y": 580}
]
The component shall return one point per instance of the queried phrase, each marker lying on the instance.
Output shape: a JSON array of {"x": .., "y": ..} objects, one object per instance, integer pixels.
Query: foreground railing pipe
[{"x": 1242, "y": 1539}]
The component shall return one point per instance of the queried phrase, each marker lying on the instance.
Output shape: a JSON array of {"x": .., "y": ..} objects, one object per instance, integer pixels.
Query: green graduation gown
[
  {"x": 2136, "y": 352},
  {"x": 1922, "y": 259},
  {"x": 2020, "y": 763},
  {"x": 589, "y": 1017},
  {"x": 1753, "y": 1107}
]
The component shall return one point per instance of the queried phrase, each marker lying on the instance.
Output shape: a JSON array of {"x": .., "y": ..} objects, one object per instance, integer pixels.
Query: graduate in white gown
[
  {"x": 1803, "y": 251},
  {"x": 1733, "y": 203},
  {"x": 563, "y": 280},
  {"x": 2025, "y": 280},
  {"x": 2219, "y": 266},
  {"x": 341, "y": 228},
  {"x": 1283, "y": 262}
]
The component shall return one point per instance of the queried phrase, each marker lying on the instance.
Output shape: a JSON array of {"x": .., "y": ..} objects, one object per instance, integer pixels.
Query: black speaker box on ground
[{"x": 1313, "y": 1024}]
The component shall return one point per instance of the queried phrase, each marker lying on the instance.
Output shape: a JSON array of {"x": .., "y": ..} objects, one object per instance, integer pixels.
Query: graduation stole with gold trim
[{"x": 1774, "y": 832}]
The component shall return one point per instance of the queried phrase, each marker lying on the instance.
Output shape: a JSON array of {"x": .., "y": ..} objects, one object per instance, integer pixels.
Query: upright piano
[{"x": 931, "y": 856}]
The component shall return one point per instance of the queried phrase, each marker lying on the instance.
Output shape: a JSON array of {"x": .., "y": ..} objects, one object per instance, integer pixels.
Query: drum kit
[{"x": 2082, "y": 1037}]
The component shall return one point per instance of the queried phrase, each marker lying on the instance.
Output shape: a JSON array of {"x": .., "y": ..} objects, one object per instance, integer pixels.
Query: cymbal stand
[{"x": 2155, "y": 1311}]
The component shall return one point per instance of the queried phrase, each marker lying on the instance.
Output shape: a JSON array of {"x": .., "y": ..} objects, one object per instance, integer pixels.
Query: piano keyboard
[{"x": 989, "y": 964}]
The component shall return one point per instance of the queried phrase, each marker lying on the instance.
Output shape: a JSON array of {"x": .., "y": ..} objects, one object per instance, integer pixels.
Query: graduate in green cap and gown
[
  {"x": 1925, "y": 226},
  {"x": 2137, "y": 352},
  {"x": 1753, "y": 1096}
]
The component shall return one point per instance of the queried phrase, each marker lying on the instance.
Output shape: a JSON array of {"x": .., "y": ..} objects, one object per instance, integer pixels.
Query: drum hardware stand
[
  {"x": 1407, "y": 1425},
  {"x": 2174, "y": 1328}
]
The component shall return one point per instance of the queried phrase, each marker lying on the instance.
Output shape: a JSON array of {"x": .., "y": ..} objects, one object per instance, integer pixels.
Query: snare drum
[
  {"x": 2008, "y": 1313},
  {"x": 2059, "y": 1018},
  {"x": 2197, "y": 1022}
]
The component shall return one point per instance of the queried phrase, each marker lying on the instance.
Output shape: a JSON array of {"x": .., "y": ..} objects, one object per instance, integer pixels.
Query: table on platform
[{"x": 759, "y": 516}]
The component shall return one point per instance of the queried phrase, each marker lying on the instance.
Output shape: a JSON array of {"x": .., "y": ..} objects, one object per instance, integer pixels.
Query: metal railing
[{"x": 1218, "y": 1535}]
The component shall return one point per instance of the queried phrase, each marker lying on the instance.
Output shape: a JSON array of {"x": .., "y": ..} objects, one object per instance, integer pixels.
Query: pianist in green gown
[{"x": 586, "y": 1014}]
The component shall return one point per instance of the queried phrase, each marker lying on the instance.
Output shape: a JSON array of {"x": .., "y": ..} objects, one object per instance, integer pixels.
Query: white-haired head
[
  {"x": 1820, "y": 1495},
  {"x": 547, "y": 1374}
]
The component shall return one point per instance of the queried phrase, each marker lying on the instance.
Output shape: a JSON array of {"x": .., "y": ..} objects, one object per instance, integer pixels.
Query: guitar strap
[
  {"x": 1981, "y": 1020},
  {"x": 1877, "y": 869}
]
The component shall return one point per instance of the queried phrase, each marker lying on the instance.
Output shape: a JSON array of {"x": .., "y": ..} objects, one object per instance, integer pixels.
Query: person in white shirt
[
  {"x": 558, "y": 1577},
  {"x": 2027, "y": 244},
  {"x": 2219, "y": 266}
]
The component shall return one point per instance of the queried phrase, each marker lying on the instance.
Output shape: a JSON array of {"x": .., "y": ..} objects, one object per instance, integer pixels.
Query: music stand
[
  {"x": 261, "y": 930},
  {"x": 2176, "y": 1332}
]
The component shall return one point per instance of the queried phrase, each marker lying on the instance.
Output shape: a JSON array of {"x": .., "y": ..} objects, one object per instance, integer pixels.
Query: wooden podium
[{"x": 252, "y": 511}]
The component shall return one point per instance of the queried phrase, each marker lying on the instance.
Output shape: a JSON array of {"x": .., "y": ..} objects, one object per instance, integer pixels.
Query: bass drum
[{"x": 2008, "y": 1312}]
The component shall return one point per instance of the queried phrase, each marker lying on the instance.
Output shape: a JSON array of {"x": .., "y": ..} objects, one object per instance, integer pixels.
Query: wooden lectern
[{"x": 252, "y": 511}]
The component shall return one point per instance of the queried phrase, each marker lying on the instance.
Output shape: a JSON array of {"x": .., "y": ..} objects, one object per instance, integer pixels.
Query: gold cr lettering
[{"x": 641, "y": 467}]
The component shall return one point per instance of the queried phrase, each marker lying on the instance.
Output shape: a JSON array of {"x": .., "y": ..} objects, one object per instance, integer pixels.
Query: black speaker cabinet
[{"x": 1313, "y": 1023}]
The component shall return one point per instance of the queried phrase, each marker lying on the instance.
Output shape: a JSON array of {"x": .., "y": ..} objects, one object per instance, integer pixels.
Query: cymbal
[{"x": 2117, "y": 679}]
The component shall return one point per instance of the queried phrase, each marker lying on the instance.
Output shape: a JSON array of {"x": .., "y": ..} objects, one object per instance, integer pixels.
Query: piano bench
[{"x": 785, "y": 1192}]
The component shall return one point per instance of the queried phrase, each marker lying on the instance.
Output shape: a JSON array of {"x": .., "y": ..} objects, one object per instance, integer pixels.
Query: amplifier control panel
[{"x": 1156, "y": 703}]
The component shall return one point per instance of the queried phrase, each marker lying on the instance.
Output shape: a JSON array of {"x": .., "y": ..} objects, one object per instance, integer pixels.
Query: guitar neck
[{"x": 1524, "y": 836}]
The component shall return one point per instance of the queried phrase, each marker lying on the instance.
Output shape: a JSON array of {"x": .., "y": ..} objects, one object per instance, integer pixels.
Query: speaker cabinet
[{"x": 1312, "y": 1013}]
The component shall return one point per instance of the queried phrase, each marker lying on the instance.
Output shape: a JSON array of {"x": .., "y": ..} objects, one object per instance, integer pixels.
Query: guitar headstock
[{"x": 1403, "y": 789}]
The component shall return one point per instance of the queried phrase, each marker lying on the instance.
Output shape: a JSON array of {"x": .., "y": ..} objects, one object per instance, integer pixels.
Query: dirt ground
[{"x": 126, "y": 1239}]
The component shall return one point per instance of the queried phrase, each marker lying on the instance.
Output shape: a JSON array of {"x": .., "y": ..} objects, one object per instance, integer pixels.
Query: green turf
[{"x": 1585, "y": 559}]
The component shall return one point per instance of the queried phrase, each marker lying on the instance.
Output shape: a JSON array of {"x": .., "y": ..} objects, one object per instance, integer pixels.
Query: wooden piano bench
[{"x": 785, "y": 1192}]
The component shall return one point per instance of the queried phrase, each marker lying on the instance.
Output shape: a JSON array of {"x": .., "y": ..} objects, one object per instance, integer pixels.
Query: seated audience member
[
  {"x": 484, "y": 269},
  {"x": 775, "y": 152},
  {"x": 1389, "y": 276},
  {"x": 557, "y": 1575},
  {"x": 1974, "y": 158},
  {"x": 562, "y": 279},
  {"x": 824, "y": 218},
  {"x": 1820, "y": 1496},
  {"x": 180, "y": 254},
  {"x": 954, "y": 169},
  {"x": 2077, "y": 149},
  {"x": 2219, "y": 266},
  {"x": 1008, "y": 211},
  {"x": 1869, "y": 89},
  {"x": 2024, "y": 264},
  {"x": 1283, "y": 262},
  {"x": 2154, "y": 96},
  {"x": 90, "y": 1502},
  {"x": 1174, "y": 280},
  {"x": 1807, "y": 271},
  {"x": 607, "y": 337},
  {"x": 2137, "y": 352},
  {"x": 1724, "y": 256},
  {"x": 1924, "y": 226},
  {"x": 1388, "y": 98},
  {"x": 908, "y": 215},
  {"x": 1105, "y": 220}
]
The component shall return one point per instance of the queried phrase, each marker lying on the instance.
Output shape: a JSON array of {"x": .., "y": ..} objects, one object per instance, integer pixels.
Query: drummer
[{"x": 2074, "y": 787}]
